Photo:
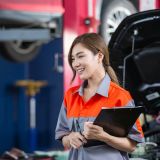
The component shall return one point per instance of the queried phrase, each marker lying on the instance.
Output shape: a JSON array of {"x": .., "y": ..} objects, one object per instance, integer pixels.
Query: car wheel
[
  {"x": 113, "y": 12},
  {"x": 19, "y": 51}
]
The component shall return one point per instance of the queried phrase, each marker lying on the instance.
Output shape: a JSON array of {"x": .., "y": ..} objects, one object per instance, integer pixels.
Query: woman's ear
[{"x": 100, "y": 56}]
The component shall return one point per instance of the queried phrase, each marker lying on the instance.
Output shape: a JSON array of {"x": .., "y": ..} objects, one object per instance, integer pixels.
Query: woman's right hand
[{"x": 74, "y": 139}]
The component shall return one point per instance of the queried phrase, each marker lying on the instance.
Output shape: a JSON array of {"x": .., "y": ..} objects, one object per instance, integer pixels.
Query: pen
[
  {"x": 78, "y": 127},
  {"x": 79, "y": 130}
]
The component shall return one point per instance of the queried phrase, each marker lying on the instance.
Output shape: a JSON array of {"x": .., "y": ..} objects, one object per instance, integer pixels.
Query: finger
[
  {"x": 91, "y": 135},
  {"x": 76, "y": 144},
  {"x": 87, "y": 123},
  {"x": 90, "y": 131},
  {"x": 95, "y": 130},
  {"x": 87, "y": 136},
  {"x": 83, "y": 139},
  {"x": 92, "y": 126},
  {"x": 73, "y": 146},
  {"x": 80, "y": 136}
]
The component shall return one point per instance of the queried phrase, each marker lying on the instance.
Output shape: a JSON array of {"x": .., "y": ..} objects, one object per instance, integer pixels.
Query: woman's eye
[{"x": 80, "y": 56}]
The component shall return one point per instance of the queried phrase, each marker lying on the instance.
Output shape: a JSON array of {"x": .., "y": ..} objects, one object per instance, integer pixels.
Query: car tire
[
  {"x": 112, "y": 13},
  {"x": 17, "y": 51}
]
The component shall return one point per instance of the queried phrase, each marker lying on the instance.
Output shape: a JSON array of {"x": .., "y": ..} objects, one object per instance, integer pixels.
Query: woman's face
[{"x": 84, "y": 62}]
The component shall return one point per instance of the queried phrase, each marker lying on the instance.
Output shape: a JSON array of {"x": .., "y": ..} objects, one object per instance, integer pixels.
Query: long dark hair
[{"x": 94, "y": 43}]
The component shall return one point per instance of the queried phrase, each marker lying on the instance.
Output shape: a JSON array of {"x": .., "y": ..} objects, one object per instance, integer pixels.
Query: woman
[{"x": 89, "y": 59}]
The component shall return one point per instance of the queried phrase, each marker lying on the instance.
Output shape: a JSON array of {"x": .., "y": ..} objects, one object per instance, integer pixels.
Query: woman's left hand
[
  {"x": 92, "y": 131},
  {"x": 95, "y": 132}
]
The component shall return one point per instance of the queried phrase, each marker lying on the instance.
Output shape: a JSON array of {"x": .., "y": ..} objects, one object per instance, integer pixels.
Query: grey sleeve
[
  {"x": 62, "y": 127},
  {"x": 134, "y": 134}
]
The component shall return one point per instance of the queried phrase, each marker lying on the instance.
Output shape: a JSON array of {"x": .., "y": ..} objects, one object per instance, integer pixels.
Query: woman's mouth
[{"x": 80, "y": 70}]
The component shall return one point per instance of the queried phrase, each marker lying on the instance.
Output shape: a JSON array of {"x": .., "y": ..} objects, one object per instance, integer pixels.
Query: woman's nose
[{"x": 76, "y": 63}]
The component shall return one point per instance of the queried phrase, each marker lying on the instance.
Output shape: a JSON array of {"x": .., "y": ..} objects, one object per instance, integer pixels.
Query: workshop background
[
  {"x": 35, "y": 37},
  {"x": 14, "y": 110}
]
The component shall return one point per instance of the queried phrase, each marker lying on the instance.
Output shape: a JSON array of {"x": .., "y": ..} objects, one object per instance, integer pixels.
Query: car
[
  {"x": 135, "y": 50},
  {"x": 112, "y": 12},
  {"x": 26, "y": 24}
]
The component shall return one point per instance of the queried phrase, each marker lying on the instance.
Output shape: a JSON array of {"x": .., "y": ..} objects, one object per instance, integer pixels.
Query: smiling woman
[
  {"x": 84, "y": 61},
  {"x": 89, "y": 59},
  {"x": 94, "y": 48}
]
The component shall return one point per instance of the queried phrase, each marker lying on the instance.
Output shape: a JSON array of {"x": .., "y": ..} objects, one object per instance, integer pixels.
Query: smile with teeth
[{"x": 80, "y": 70}]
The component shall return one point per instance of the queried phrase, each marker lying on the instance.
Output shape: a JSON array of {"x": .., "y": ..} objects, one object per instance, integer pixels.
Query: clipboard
[{"x": 116, "y": 121}]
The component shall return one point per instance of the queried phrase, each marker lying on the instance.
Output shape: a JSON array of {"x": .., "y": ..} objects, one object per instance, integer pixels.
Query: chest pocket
[{"x": 70, "y": 124}]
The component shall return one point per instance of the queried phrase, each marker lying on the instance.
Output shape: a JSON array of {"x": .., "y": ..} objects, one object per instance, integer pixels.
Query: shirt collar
[{"x": 103, "y": 88}]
